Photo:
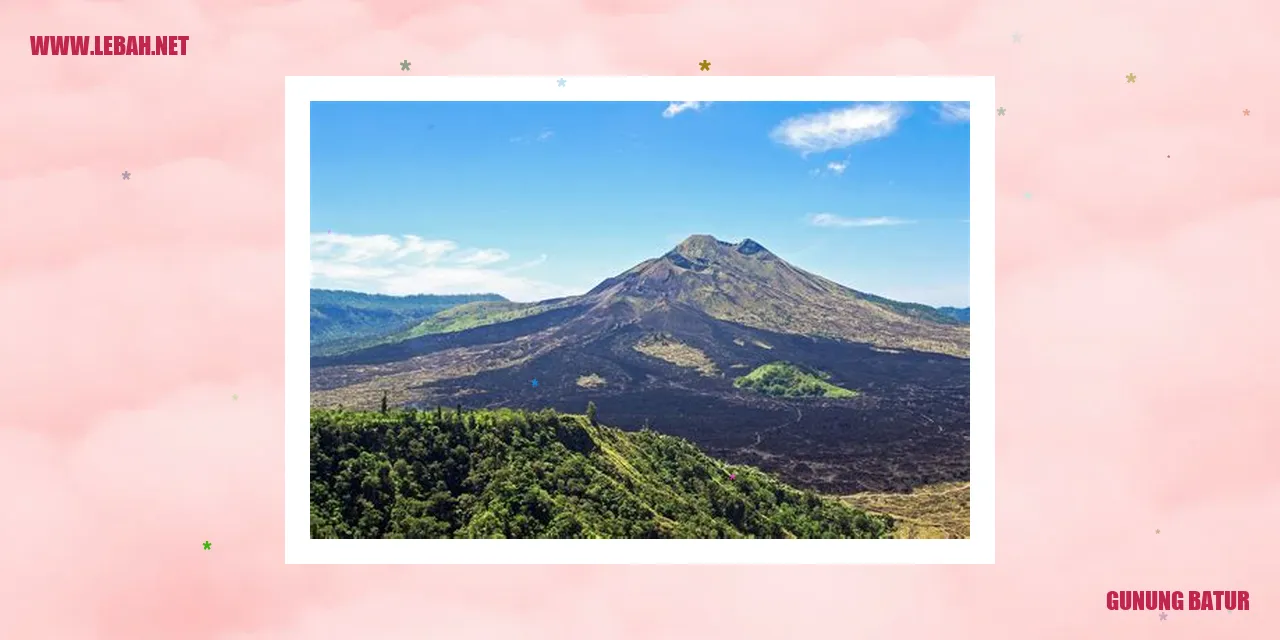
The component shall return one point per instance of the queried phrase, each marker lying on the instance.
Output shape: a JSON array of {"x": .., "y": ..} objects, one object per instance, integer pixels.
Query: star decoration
[
  {"x": 535, "y": 382},
  {"x": 125, "y": 175},
  {"x": 1131, "y": 78},
  {"x": 1246, "y": 112},
  {"x": 1017, "y": 37},
  {"x": 704, "y": 65},
  {"x": 1163, "y": 615},
  {"x": 560, "y": 82},
  {"x": 1157, "y": 532},
  {"x": 207, "y": 545},
  {"x": 1027, "y": 195},
  {"x": 1000, "y": 111},
  {"x": 235, "y": 397},
  {"x": 404, "y": 65}
]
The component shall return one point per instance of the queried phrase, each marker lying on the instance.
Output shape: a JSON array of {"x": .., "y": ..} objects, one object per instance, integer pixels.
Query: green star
[
  {"x": 207, "y": 545},
  {"x": 235, "y": 397},
  {"x": 1027, "y": 195},
  {"x": 404, "y": 65},
  {"x": 1000, "y": 111}
]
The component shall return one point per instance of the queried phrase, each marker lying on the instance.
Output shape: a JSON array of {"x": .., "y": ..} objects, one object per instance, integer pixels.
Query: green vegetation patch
[
  {"x": 509, "y": 474},
  {"x": 783, "y": 379}
]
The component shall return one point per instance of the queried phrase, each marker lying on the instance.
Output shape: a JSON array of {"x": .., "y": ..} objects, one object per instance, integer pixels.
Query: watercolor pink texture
[{"x": 1137, "y": 350}]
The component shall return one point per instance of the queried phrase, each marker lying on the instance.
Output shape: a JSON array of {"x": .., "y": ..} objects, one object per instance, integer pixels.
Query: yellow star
[
  {"x": 1131, "y": 78},
  {"x": 704, "y": 65}
]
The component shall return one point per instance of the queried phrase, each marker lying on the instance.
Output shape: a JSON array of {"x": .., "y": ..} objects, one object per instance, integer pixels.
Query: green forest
[{"x": 515, "y": 474}]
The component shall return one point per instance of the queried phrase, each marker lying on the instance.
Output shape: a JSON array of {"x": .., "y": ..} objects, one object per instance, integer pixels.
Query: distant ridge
[
  {"x": 961, "y": 314},
  {"x": 345, "y": 320}
]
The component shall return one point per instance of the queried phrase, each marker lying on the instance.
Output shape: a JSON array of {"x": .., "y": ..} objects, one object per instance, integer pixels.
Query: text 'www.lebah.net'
[{"x": 109, "y": 45}]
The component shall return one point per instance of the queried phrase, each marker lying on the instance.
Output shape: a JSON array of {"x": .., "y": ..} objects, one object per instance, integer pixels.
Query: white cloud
[
  {"x": 833, "y": 220},
  {"x": 481, "y": 257},
  {"x": 543, "y": 136},
  {"x": 675, "y": 108},
  {"x": 833, "y": 168},
  {"x": 404, "y": 265},
  {"x": 953, "y": 111},
  {"x": 837, "y": 129}
]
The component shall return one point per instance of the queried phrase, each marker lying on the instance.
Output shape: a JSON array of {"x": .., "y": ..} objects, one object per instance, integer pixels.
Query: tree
[
  {"x": 384, "y": 401},
  {"x": 591, "y": 413}
]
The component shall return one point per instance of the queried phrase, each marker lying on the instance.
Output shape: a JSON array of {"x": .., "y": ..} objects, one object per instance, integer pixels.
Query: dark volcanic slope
[{"x": 715, "y": 317}]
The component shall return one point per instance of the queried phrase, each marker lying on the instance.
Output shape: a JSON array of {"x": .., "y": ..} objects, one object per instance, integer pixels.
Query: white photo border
[{"x": 301, "y": 91}]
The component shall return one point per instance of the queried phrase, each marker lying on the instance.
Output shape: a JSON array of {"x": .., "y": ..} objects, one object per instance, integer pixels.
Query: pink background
[{"x": 1137, "y": 365}]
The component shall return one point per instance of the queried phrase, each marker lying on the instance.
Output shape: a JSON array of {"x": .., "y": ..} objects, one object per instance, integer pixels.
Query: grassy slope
[
  {"x": 788, "y": 380},
  {"x": 529, "y": 475},
  {"x": 934, "y": 511},
  {"x": 668, "y": 349},
  {"x": 469, "y": 316}
]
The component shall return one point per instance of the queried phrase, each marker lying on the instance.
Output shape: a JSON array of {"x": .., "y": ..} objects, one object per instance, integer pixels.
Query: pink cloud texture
[{"x": 1137, "y": 355}]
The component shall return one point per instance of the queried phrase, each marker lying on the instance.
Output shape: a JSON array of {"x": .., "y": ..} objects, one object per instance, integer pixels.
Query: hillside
[
  {"x": 930, "y": 511},
  {"x": 346, "y": 320},
  {"x": 509, "y": 474},
  {"x": 472, "y": 315}
]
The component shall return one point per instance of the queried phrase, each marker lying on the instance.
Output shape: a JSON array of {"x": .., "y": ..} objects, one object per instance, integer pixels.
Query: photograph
[{"x": 643, "y": 320}]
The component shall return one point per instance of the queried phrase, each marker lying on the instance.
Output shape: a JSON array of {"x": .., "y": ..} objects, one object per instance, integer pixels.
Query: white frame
[{"x": 301, "y": 91}]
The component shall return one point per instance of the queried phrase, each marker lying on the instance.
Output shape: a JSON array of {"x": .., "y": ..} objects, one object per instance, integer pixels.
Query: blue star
[
  {"x": 560, "y": 82},
  {"x": 535, "y": 382}
]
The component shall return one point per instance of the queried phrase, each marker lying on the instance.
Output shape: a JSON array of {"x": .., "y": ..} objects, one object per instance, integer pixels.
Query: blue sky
[{"x": 534, "y": 200}]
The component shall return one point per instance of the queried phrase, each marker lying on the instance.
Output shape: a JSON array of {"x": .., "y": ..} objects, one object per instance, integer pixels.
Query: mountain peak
[
  {"x": 700, "y": 243},
  {"x": 707, "y": 246},
  {"x": 748, "y": 247}
]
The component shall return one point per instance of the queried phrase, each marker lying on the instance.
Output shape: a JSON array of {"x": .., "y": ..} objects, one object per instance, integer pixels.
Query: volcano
[{"x": 725, "y": 344}]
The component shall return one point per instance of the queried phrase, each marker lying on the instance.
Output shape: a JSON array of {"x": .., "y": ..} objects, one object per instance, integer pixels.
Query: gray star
[
  {"x": 125, "y": 175},
  {"x": 1000, "y": 111},
  {"x": 1017, "y": 37},
  {"x": 560, "y": 82},
  {"x": 404, "y": 65},
  {"x": 1163, "y": 615}
]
